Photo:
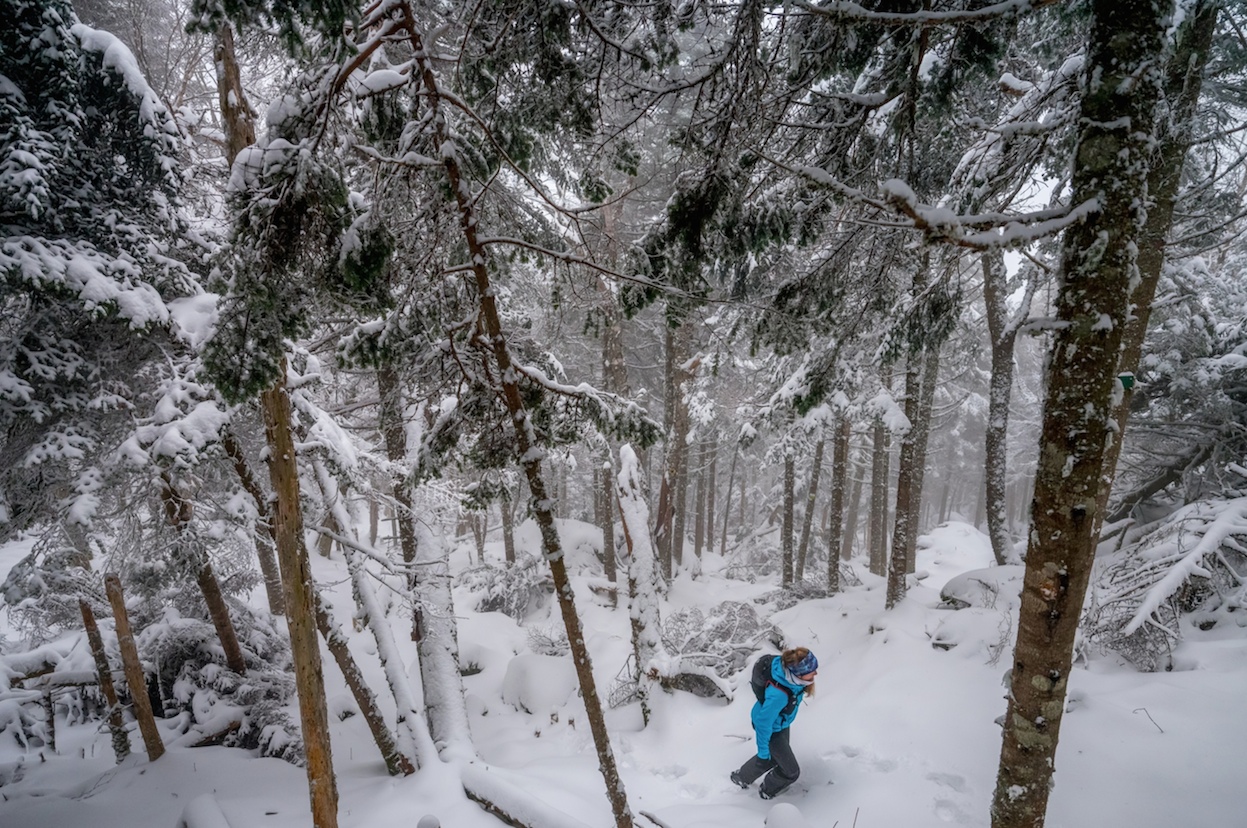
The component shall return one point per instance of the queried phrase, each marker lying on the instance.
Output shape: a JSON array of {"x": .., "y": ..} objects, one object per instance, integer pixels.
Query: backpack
[{"x": 761, "y": 678}]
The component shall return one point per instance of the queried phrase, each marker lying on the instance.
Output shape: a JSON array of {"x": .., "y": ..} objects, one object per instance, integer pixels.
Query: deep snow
[{"x": 899, "y": 732}]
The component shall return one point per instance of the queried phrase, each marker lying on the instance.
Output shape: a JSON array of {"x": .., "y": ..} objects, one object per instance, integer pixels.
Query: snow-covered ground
[{"x": 899, "y": 733}]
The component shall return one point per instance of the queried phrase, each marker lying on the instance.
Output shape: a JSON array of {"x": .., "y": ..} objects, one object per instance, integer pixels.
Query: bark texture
[
  {"x": 879, "y": 500},
  {"x": 835, "y": 517},
  {"x": 922, "y": 436},
  {"x": 1122, "y": 85},
  {"x": 786, "y": 528},
  {"x": 1184, "y": 79},
  {"x": 898, "y": 566},
  {"x": 116, "y": 725},
  {"x": 300, "y": 604},
  {"x": 135, "y": 680},
  {"x": 1000, "y": 392}
]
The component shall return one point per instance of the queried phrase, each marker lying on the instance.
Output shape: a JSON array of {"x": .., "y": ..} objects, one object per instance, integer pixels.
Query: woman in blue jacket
[{"x": 792, "y": 676}]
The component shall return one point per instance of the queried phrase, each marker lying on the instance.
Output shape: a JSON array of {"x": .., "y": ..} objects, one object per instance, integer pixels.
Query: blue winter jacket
[{"x": 768, "y": 715}]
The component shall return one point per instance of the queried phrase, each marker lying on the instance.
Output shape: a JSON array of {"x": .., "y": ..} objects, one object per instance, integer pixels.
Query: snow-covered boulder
[
  {"x": 538, "y": 683},
  {"x": 997, "y": 587}
]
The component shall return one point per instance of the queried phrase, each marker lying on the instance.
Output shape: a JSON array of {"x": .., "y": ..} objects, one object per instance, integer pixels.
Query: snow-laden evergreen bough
[{"x": 92, "y": 250}]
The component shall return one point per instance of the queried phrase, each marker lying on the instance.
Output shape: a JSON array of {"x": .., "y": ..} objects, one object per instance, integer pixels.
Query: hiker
[{"x": 779, "y": 682}]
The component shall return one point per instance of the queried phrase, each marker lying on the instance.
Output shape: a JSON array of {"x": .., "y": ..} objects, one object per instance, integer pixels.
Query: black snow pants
[{"x": 782, "y": 766}]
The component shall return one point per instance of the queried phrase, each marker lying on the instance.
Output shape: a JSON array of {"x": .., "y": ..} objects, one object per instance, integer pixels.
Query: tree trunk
[
  {"x": 878, "y": 540},
  {"x": 922, "y": 434},
  {"x": 179, "y": 512},
  {"x": 445, "y": 705},
  {"x": 711, "y": 482},
  {"x": 727, "y": 500},
  {"x": 785, "y": 532},
  {"x": 699, "y": 508},
  {"x": 287, "y": 517},
  {"x": 642, "y": 584},
  {"x": 263, "y": 531},
  {"x": 434, "y": 632},
  {"x": 135, "y": 680},
  {"x": 679, "y": 502},
  {"x": 529, "y": 453},
  {"x": 606, "y": 496},
  {"x": 995, "y": 440},
  {"x": 116, "y": 724},
  {"x": 300, "y": 604},
  {"x": 1122, "y": 85},
  {"x": 411, "y": 738},
  {"x": 898, "y": 565},
  {"x": 835, "y": 516},
  {"x": 662, "y": 526},
  {"x": 811, "y": 496},
  {"x": 508, "y": 529},
  {"x": 239, "y": 122},
  {"x": 396, "y": 762},
  {"x": 855, "y": 506},
  {"x": 1183, "y": 83},
  {"x": 235, "y": 111},
  {"x": 394, "y": 434}
]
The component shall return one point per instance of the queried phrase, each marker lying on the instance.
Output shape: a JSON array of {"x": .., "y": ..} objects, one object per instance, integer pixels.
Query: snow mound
[
  {"x": 997, "y": 587},
  {"x": 538, "y": 683}
]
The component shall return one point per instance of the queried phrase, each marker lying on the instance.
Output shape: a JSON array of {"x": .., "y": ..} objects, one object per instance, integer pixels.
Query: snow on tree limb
[
  {"x": 1231, "y": 520},
  {"x": 922, "y": 19}
]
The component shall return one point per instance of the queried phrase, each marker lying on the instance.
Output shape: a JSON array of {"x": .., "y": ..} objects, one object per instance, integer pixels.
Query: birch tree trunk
[
  {"x": 1122, "y": 85},
  {"x": 413, "y": 738}
]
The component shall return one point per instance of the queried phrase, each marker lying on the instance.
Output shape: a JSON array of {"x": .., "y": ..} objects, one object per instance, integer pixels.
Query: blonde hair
[{"x": 791, "y": 657}]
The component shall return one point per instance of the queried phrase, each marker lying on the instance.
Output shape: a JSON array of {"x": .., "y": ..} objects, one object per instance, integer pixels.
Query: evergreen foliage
[{"x": 91, "y": 254}]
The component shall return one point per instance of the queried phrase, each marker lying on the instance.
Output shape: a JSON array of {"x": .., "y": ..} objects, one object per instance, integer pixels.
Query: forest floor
[{"x": 899, "y": 733}]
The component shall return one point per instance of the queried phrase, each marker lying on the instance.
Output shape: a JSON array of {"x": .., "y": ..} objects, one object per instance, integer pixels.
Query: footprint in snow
[{"x": 949, "y": 780}]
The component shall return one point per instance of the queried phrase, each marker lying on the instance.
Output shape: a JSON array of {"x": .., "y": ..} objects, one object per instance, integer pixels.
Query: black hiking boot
[{"x": 737, "y": 781}]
